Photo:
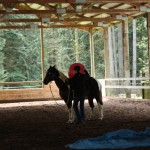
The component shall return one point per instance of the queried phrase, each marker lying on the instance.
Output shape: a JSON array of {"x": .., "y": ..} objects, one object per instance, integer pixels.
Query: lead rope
[
  {"x": 52, "y": 93},
  {"x": 51, "y": 90},
  {"x": 54, "y": 97}
]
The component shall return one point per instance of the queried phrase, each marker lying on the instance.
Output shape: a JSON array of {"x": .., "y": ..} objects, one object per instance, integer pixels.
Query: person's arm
[{"x": 86, "y": 74}]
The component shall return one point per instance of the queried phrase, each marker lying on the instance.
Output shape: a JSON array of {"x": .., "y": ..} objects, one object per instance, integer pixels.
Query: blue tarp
[{"x": 123, "y": 138}]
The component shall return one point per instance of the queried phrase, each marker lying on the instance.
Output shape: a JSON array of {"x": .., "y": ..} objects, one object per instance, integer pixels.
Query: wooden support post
[
  {"x": 126, "y": 55},
  {"x": 112, "y": 92},
  {"x": 111, "y": 57},
  {"x": 134, "y": 52},
  {"x": 146, "y": 92},
  {"x": 42, "y": 54},
  {"x": 92, "y": 54},
  {"x": 148, "y": 28},
  {"x": 106, "y": 59},
  {"x": 126, "y": 49},
  {"x": 114, "y": 53},
  {"x": 120, "y": 51},
  {"x": 106, "y": 53}
]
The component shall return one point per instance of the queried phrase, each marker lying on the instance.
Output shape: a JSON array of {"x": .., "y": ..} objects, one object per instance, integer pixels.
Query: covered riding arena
[{"x": 32, "y": 115}]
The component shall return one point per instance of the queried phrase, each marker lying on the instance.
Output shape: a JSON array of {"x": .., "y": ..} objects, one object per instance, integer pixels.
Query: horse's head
[{"x": 51, "y": 74}]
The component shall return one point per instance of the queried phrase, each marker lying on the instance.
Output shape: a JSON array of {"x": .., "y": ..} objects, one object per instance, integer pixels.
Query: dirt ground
[{"x": 42, "y": 125}]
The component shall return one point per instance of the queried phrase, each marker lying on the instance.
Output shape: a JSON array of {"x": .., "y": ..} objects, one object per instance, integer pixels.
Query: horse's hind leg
[
  {"x": 100, "y": 105},
  {"x": 71, "y": 112},
  {"x": 100, "y": 111},
  {"x": 91, "y": 104},
  {"x": 71, "y": 116}
]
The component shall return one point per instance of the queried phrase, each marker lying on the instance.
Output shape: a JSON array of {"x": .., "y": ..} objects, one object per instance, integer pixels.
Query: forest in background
[{"x": 20, "y": 51}]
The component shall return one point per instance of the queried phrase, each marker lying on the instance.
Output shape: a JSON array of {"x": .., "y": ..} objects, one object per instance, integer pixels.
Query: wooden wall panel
[{"x": 30, "y": 94}]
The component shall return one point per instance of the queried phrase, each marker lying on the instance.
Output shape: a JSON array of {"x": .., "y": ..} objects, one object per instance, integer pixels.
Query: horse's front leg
[{"x": 71, "y": 115}]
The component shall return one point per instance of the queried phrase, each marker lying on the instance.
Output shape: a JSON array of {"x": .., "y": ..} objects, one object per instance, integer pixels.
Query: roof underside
[{"x": 83, "y": 14}]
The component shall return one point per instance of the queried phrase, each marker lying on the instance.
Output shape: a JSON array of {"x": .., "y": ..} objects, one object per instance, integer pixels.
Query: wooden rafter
[
  {"x": 71, "y": 11},
  {"x": 50, "y": 26},
  {"x": 65, "y": 20},
  {"x": 73, "y": 1},
  {"x": 82, "y": 27},
  {"x": 92, "y": 11}
]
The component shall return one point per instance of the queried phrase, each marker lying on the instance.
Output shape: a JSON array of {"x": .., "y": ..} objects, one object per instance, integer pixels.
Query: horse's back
[
  {"x": 93, "y": 90},
  {"x": 93, "y": 83},
  {"x": 99, "y": 85}
]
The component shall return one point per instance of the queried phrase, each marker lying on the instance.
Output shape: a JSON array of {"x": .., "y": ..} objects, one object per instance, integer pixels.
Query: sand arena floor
[{"x": 42, "y": 125}]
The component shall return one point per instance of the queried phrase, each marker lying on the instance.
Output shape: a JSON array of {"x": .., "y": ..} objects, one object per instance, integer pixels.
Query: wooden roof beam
[
  {"x": 71, "y": 11},
  {"x": 50, "y": 26},
  {"x": 65, "y": 20},
  {"x": 73, "y": 1},
  {"x": 109, "y": 8}
]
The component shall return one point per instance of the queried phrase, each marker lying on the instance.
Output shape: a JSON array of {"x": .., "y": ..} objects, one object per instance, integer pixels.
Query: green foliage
[
  {"x": 84, "y": 49},
  {"x": 99, "y": 55},
  {"x": 3, "y": 74},
  {"x": 59, "y": 47},
  {"x": 20, "y": 53},
  {"x": 142, "y": 45}
]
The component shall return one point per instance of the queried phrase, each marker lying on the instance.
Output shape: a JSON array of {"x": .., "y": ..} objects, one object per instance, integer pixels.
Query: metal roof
[{"x": 83, "y": 14}]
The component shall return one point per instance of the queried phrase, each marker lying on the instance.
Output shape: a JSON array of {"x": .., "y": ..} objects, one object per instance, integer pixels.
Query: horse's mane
[{"x": 63, "y": 77}]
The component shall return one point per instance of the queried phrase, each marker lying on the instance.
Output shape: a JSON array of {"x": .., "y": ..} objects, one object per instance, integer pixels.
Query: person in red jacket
[{"x": 78, "y": 85}]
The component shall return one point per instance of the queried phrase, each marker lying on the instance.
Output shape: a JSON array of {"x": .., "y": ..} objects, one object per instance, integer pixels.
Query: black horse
[{"x": 93, "y": 90}]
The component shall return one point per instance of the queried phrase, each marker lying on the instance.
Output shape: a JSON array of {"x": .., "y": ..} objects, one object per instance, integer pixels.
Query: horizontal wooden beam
[
  {"x": 50, "y": 26},
  {"x": 73, "y": 1},
  {"x": 23, "y": 82},
  {"x": 65, "y": 20},
  {"x": 85, "y": 28},
  {"x": 111, "y": 11}
]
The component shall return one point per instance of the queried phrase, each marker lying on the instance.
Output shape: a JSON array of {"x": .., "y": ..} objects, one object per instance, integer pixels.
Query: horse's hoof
[
  {"x": 88, "y": 118},
  {"x": 100, "y": 118},
  {"x": 69, "y": 122}
]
